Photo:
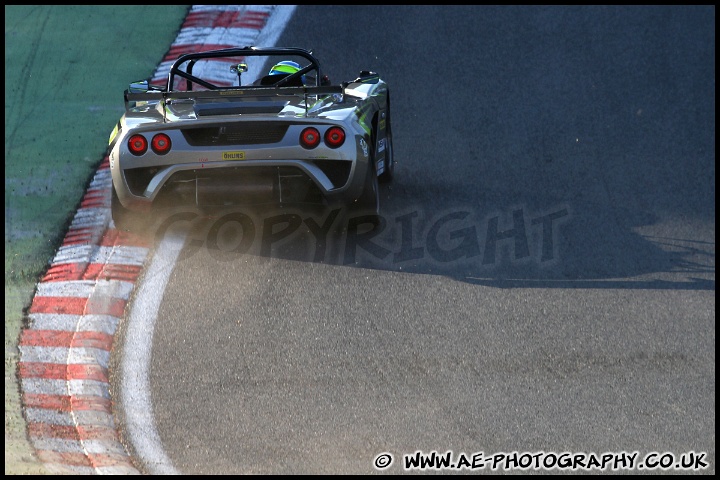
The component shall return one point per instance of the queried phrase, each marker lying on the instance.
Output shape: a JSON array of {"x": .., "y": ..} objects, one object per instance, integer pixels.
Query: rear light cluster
[
  {"x": 310, "y": 137},
  {"x": 160, "y": 144}
]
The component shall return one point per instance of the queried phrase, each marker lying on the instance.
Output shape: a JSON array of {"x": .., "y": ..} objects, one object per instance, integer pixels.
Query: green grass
[{"x": 66, "y": 68}]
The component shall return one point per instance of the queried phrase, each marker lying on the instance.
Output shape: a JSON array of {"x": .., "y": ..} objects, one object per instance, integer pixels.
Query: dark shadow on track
[{"x": 566, "y": 246}]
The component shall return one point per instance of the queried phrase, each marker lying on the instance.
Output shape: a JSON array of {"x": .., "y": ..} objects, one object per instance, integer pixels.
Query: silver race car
[{"x": 228, "y": 130}]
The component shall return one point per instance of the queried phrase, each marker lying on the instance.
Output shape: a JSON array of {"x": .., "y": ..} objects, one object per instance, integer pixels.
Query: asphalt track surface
[{"x": 545, "y": 280}]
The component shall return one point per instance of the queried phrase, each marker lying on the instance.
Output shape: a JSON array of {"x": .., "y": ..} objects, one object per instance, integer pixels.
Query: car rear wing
[
  {"x": 249, "y": 95},
  {"x": 142, "y": 93}
]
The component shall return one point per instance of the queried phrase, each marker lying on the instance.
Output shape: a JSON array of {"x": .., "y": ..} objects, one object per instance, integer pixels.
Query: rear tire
[
  {"x": 369, "y": 201},
  {"x": 123, "y": 218},
  {"x": 366, "y": 208}
]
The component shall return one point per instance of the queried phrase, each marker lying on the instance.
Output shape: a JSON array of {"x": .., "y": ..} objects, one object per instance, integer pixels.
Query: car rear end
[{"x": 208, "y": 153}]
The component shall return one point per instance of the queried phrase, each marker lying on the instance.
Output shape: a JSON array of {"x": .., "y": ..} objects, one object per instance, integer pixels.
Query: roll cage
[{"x": 188, "y": 61}]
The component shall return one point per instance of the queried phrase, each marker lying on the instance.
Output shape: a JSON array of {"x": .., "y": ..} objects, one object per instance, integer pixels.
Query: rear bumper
[{"x": 327, "y": 182}]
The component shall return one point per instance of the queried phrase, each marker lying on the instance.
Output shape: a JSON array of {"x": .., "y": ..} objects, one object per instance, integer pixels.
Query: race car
[{"x": 228, "y": 130}]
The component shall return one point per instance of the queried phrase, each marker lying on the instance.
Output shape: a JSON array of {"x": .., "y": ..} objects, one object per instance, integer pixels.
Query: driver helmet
[{"x": 287, "y": 67}]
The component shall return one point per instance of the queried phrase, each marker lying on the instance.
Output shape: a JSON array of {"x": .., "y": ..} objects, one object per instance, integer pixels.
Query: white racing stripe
[{"x": 135, "y": 390}]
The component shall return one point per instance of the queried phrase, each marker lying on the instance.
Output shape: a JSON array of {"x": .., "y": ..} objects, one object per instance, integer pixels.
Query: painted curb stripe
[
  {"x": 66, "y": 387},
  {"x": 53, "y": 338},
  {"x": 90, "y": 271},
  {"x": 77, "y": 432},
  {"x": 59, "y": 355},
  {"x": 78, "y": 306},
  {"x": 85, "y": 288},
  {"x": 65, "y": 350},
  {"x": 81, "y": 459},
  {"x": 66, "y": 403},
  {"x": 77, "y": 323},
  {"x": 98, "y": 254},
  {"x": 81, "y": 299},
  {"x": 87, "y": 417},
  {"x": 247, "y": 19},
  {"x": 76, "y": 446},
  {"x": 64, "y": 372}
]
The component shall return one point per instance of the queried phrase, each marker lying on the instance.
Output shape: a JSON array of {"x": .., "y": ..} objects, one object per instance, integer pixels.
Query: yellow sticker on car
[{"x": 233, "y": 155}]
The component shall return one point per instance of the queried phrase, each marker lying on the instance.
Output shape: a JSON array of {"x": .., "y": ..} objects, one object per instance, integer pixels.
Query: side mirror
[
  {"x": 140, "y": 86},
  {"x": 367, "y": 76}
]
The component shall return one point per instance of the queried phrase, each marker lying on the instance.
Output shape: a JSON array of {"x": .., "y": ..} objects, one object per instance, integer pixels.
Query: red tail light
[
  {"x": 334, "y": 137},
  {"x": 161, "y": 144},
  {"x": 137, "y": 144},
  {"x": 310, "y": 138}
]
